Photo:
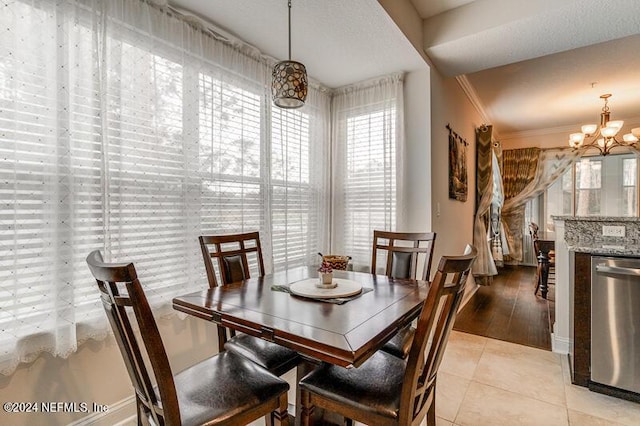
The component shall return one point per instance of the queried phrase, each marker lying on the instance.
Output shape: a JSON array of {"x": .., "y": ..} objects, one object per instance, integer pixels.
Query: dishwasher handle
[{"x": 618, "y": 270}]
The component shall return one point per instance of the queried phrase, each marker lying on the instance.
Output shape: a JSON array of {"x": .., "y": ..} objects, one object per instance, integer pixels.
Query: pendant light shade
[
  {"x": 289, "y": 86},
  {"x": 289, "y": 80}
]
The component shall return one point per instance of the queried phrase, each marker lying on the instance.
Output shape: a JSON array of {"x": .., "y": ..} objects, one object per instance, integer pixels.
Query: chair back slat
[
  {"x": 230, "y": 253},
  {"x": 403, "y": 253},
  {"x": 231, "y": 264},
  {"x": 432, "y": 333},
  {"x": 112, "y": 279}
]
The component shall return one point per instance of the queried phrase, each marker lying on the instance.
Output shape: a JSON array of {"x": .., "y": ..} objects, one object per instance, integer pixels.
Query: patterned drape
[
  {"x": 484, "y": 267},
  {"x": 551, "y": 164},
  {"x": 518, "y": 169}
]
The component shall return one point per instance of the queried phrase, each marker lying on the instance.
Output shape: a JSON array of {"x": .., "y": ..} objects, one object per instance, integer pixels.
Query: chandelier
[
  {"x": 289, "y": 85},
  {"x": 604, "y": 137}
]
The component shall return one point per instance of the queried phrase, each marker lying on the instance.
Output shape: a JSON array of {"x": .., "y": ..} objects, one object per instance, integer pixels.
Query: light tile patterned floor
[
  {"x": 507, "y": 384},
  {"x": 487, "y": 382}
]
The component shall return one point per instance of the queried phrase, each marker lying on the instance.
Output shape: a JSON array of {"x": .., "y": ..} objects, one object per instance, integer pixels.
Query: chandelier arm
[{"x": 608, "y": 142}]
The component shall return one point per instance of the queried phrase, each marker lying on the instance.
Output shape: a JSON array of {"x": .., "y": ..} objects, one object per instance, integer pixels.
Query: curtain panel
[
  {"x": 486, "y": 163},
  {"x": 368, "y": 146},
  {"x": 126, "y": 129},
  {"x": 518, "y": 170},
  {"x": 551, "y": 164}
]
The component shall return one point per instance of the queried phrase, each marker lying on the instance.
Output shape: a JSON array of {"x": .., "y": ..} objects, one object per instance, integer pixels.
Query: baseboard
[
  {"x": 119, "y": 414},
  {"x": 559, "y": 344}
]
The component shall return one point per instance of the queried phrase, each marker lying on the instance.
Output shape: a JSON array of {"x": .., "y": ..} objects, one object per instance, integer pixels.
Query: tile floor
[{"x": 484, "y": 381}]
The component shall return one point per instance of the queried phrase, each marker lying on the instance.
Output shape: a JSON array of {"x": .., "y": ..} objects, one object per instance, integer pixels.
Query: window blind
[
  {"x": 367, "y": 148},
  {"x": 126, "y": 130},
  {"x": 370, "y": 187},
  {"x": 294, "y": 217}
]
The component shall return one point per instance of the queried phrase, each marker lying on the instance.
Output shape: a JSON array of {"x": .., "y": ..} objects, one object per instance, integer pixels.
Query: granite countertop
[
  {"x": 587, "y": 235},
  {"x": 597, "y": 218},
  {"x": 607, "y": 249}
]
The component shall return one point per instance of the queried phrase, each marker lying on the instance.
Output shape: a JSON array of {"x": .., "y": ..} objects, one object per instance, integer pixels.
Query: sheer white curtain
[
  {"x": 368, "y": 141},
  {"x": 124, "y": 129}
]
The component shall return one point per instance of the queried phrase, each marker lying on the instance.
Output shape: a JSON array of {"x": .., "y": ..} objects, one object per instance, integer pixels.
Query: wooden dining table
[{"x": 344, "y": 334}]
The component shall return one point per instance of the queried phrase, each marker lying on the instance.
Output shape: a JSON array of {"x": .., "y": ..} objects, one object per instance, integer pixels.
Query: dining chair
[
  {"x": 387, "y": 390},
  {"x": 225, "y": 389},
  {"x": 545, "y": 272},
  {"x": 404, "y": 251},
  {"x": 235, "y": 256},
  {"x": 544, "y": 253}
]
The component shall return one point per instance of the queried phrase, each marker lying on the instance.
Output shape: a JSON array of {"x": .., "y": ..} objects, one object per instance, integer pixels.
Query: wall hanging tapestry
[{"x": 457, "y": 166}]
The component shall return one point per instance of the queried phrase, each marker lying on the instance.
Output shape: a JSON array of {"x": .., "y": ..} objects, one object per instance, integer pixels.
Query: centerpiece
[{"x": 326, "y": 275}]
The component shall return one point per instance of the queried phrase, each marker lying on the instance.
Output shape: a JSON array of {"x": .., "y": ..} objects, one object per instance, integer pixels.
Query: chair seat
[
  {"x": 400, "y": 344},
  {"x": 275, "y": 358},
  {"x": 213, "y": 389},
  {"x": 374, "y": 387}
]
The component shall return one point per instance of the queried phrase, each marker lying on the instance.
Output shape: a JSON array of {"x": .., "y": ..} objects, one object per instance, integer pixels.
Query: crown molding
[
  {"x": 629, "y": 123},
  {"x": 470, "y": 91}
]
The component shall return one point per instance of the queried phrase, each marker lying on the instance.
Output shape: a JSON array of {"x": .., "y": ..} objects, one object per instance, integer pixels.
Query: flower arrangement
[
  {"x": 326, "y": 273},
  {"x": 325, "y": 267}
]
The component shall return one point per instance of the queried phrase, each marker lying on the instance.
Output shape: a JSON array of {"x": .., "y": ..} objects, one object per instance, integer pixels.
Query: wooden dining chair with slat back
[
  {"x": 544, "y": 253},
  {"x": 222, "y": 390},
  {"x": 386, "y": 390},
  {"x": 229, "y": 259},
  {"x": 404, "y": 251}
]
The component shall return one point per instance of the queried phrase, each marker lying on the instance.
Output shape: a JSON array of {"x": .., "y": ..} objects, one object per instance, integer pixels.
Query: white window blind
[
  {"x": 126, "y": 130},
  {"x": 231, "y": 162},
  {"x": 368, "y": 145},
  {"x": 294, "y": 215}
]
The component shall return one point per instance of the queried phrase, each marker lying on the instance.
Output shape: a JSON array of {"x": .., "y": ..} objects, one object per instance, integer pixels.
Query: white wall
[
  {"x": 96, "y": 373},
  {"x": 452, "y": 220},
  {"x": 416, "y": 194},
  {"x": 546, "y": 138}
]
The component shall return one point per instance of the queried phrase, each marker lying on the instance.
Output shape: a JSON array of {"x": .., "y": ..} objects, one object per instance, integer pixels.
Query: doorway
[{"x": 509, "y": 310}]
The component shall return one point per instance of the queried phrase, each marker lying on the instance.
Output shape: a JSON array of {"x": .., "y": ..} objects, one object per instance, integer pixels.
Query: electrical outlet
[{"x": 613, "y": 231}]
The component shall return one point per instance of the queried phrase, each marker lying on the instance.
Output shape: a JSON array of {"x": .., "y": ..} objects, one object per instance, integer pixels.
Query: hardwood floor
[{"x": 508, "y": 310}]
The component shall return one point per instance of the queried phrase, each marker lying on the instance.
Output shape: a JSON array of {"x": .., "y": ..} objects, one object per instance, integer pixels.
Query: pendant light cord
[{"x": 289, "y": 29}]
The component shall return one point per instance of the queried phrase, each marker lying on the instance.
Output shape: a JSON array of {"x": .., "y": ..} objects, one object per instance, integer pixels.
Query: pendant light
[{"x": 289, "y": 85}]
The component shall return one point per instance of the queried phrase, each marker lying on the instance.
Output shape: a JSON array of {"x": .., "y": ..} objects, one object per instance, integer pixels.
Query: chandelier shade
[
  {"x": 604, "y": 136},
  {"x": 289, "y": 80}
]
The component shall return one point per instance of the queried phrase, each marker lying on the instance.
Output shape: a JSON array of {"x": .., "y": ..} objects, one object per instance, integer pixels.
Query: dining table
[{"x": 344, "y": 331}]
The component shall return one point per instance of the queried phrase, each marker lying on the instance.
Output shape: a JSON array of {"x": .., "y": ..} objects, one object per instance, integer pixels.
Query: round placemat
[{"x": 307, "y": 288}]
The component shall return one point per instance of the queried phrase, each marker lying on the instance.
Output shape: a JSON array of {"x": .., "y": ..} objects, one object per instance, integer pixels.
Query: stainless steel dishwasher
[{"x": 615, "y": 322}]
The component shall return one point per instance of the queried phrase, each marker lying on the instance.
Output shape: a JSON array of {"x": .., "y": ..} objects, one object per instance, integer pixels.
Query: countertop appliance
[{"x": 615, "y": 322}]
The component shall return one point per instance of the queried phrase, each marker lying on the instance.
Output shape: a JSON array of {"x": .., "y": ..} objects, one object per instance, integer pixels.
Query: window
[
  {"x": 365, "y": 185},
  {"x": 588, "y": 187},
  {"x": 294, "y": 217},
  {"x": 604, "y": 186},
  {"x": 629, "y": 186},
  {"x": 135, "y": 149},
  {"x": 370, "y": 189}
]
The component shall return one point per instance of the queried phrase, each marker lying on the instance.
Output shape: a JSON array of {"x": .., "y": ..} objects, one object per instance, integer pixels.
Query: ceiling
[
  {"x": 528, "y": 64},
  {"x": 542, "y": 64},
  {"x": 340, "y": 42}
]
